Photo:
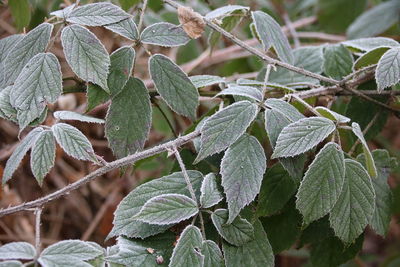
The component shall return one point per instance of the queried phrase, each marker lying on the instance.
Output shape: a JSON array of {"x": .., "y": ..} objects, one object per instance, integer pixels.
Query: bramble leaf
[
  {"x": 338, "y": 61},
  {"x": 388, "y": 70},
  {"x": 164, "y": 34},
  {"x": 75, "y": 116},
  {"x": 210, "y": 195},
  {"x": 126, "y": 28},
  {"x": 371, "y": 168},
  {"x": 17, "y": 251},
  {"x": 212, "y": 254},
  {"x": 43, "y": 155},
  {"x": 205, "y": 80},
  {"x": 240, "y": 90},
  {"x": 187, "y": 251}
]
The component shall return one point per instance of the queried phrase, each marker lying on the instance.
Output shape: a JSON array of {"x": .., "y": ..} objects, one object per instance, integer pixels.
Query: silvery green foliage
[
  {"x": 240, "y": 90},
  {"x": 187, "y": 251},
  {"x": 224, "y": 11},
  {"x": 126, "y": 28},
  {"x": 121, "y": 67},
  {"x": 164, "y": 34},
  {"x": 388, "y": 69},
  {"x": 7, "y": 111},
  {"x": 75, "y": 116},
  {"x": 212, "y": 254},
  {"x": 332, "y": 115},
  {"x": 43, "y": 155},
  {"x": 367, "y": 44},
  {"x": 205, "y": 80},
  {"x": 63, "y": 13},
  {"x": 11, "y": 264},
  {"x": 86, "y": 55},
  {"x": 17, "y": 251},
  {"x": 210, "y": 194},
  {"x": 338, "y": 61},
  {"x": 5, "y": 46},
  {"x": 371, "y": 168},
  {"x": 174, "y": 86}
]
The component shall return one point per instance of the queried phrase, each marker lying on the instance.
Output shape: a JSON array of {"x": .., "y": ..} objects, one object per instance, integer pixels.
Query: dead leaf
[{"x": 192, "y": 22}]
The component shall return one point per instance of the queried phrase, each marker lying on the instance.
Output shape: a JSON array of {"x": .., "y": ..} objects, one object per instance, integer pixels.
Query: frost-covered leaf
[
  {"x": 75, "y": 116},
  {"x": 375, "y": 21},
  {"x": 322, "y": 183},
  {"x": 133, "y": 202},
  {"x": 388, "y": 70},
  {"x": 240, "y": 90},
  {"x": 164, "y": 34},
  {"x": 39, "y": 83},
  {"x": 167, "y": 209},
  {"x": 370, "y": 58},
  {"x": 224, "y": 11},
  {"x": 174, "y": 86},
  {"x": 338, "y": 61},
  {"x": 97, "y": 14},
  {"x": 17, "y": 251},
  {"x": 43, "y": 155},
  {"x": 73, "y": 142},
  {"x": 122, "y": 61},
  {"x": 63, "y": 13},
  {"x": 383, "y": 201},
  {"x": 7, "y": 111},
  {"x": 128, "y": 119},
  {"x": 332, "y": 115},
  {"x": 237, "y": 233},
  {"x": 95, "y": 96},
  {"x": 11, "y": 264},
  {"x": 371, "y": 168},
  {"x": 6, "y": 44},
  {"x": 210, "y": 194},
  {"x": 206, "y": 80},
  {"x": 302, "y": 135},
  {"x": 367, "y": 44},
  {"x": 257, "y": 252},
  {"x": 126, "y": 28},
  {"x": 134, "y": 252},
  {"x": 86, "y": 55},
  {"x": 224, "y": 127},
  {"x": 19, "y": 153},
  {"x": 31, "y": 44},
  {"x": 276, "y": 189},
  {"x": 289, "y": 111},
  {"x": 271, "y": 34},
  {"x": 242, "y": 170},
  {"x": 212, "y": 254},
  {"x": 69, "y": 253},
  {"x": 355, "y": 206},
  {"x": 187, "y": 251}
]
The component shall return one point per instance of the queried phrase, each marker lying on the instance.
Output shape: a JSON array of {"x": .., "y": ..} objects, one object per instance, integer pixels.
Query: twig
[
  {"x": 140, "y": 24},
  {"x": 38, "y": 244}
]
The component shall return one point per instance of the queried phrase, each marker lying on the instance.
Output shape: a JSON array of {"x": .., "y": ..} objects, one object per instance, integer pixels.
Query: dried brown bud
[{"x": 192, "y": 22}]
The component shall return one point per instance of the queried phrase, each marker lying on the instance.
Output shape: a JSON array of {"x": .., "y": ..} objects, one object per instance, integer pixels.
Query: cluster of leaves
[{"x": 242, "y": 215}]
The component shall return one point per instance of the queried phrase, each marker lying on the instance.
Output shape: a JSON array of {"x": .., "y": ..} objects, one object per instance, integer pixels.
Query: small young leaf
[
  {"x": 388, "y": 70},
  {"x": 174, "y": 86},
  {"x": 126, "y": 28},
  {"x": 210, "y": 195},
  {"x": 370, "y": 58},
  {"x": 75, "y": 116},
  {"x": 164, "y": 34},
  {"x": 205, "y": 80},
  {"x": 63, "y": 13},
  {"x": 43, "y": 155},
  {"x": 212, "y": 254},
  {"x": 355, "y": 206},
  {"x": 225, "y": 127},
  {"x": 242, "y": 170},
  {"x": 122, "y": 61},
  {"x": 167, "y": 209},
  {"x": 238, "y": 232},
  {"x": 271, "y": 35},
  {"x": 224, "y": 11},
  {"x": 73, "y": 142},
  {"x": 17, "y": 251},
  {"x": 86, "y": 55},
  {"x": 187, "y": 250},
  {"x": 332, "y": 115},
  {"x": 19, "y": 153},
  {"x": 97, "y": 14},
  {"x": 367, "y": 44},
  {"x": 338, "y": 61},
  {"x": 128, "y": 119},
  {"x": 371, "y": 168},
  {"x": 33, "y": 43},
  {"x": 322, "y": 183},
  {"x": 302, "y": 135},
  {"x": 240, "y": 90}
]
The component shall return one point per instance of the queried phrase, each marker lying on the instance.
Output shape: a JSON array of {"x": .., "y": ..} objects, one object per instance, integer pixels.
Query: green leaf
[
  {"x": 11, "y": 264},
  {"x": 322, "y": 183},
  {"x": 73, "y": 142},
  {"x": 6, "y": 110},
  {"x": 31, "y": 44},
  {"x": 21, "y": 13},
  {"x": 164, "y": 34},
  {"x": 95, "y": 96},
  {"x": 367, "y": 44},
  {"x": 338, "y": 61},
  {"x": 212, "y": 254},
  {"x": 122, "y": 61},
  {"x": 205, "y": 80},
  {"x": 210, "y": 194},
  {"x": 6, "y": 44},
  {"x": 63, "y": 13},
  {"x": 126, "y": 28},
  {"x": 167, "y": 209},
  {"x": 19, "y": 153},
  {"x": 286, "y": 109},
  {"x": 383, "y": 201},
  {"x": 240, "y": 90},
  {"x": 17, "y": 251},
  {"x": 224, "y": 11},
  {"x": 43, "y": 155},
  {"x": 75, "y": 116},
  {"x": 332, "y": 115},
  {"x": 187, "y": 250},
  {"x": 355, "y": 206},
  {"x": 133, "y": 202},
  {"x": 225, "y": 127},
  {"x": 174, "y": 86},
  {"x": 370, "y": 58},
  {"x": 388, "y": 70},
  {"x": 127, "y": 4},
  {"x": 375, "y": 21},
  {"x": 271, "y": 34},
  {"x": 86, "y": 55},
  {"x": 128, "y": 119},
  {"x": 134, "y": 252},
  {"x": 257, "y": 252},
  {"x": 371, "y": 168},
  {"x": 97, "y": 14},
  {"x": 302, "y": 135},
  {"x": 39, "y": 83},
  {"x": 237, "y": 233},
  {"x": 276, "y": 189},
  {"x": 242, "y": 170}
]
